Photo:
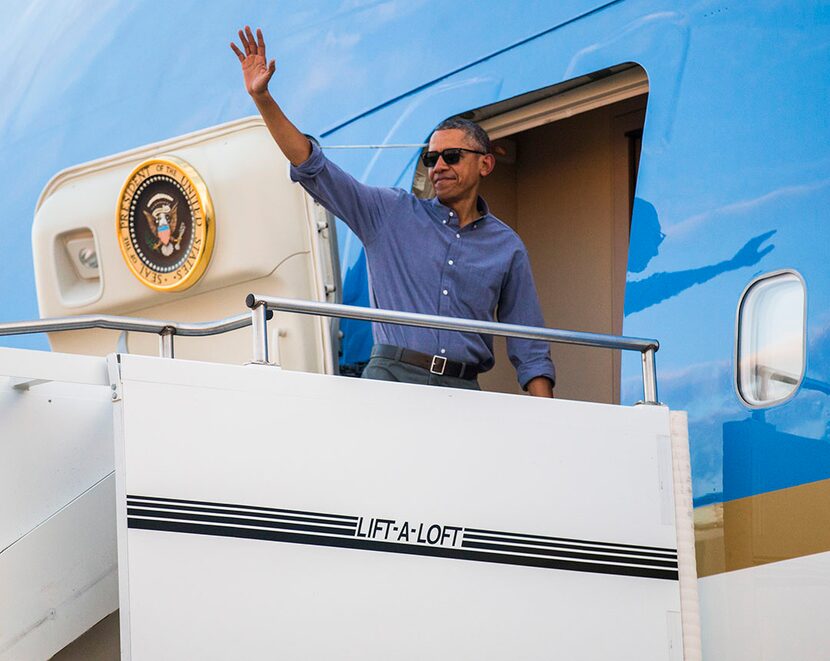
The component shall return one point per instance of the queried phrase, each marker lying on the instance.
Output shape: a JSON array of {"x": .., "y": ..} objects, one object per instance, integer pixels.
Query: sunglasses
[{"x": 451, "y": 156}]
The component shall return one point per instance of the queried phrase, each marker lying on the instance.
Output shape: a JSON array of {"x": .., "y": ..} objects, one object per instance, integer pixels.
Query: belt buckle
[{"x": 439, "y": 370}]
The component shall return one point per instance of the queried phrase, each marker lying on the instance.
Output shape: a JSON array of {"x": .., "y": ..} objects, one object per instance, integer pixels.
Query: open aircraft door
[
  {"x": 264, "y": 512},
  {"x": 181, "y": 230}
]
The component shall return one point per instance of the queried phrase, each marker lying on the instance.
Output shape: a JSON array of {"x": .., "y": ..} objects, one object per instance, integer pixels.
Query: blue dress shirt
[{"x": 420, "y": 260}]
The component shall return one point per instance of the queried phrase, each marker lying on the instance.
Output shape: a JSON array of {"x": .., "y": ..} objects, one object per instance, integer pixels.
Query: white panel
[
  {"x": 266, "y": 437},
  {"x": 57, "y": 517},
  {"x": 45, "y": 365},
  {"x": 267, "y": 240},
  {"x": 684, "y": 520},
  {"x": 43, "y": 466},
  {"x": 61, "y": 578},
  {"x": 777, "y": 611},
  {"x": 624, "y": 85},
  {"x": 260, "y": 219}
]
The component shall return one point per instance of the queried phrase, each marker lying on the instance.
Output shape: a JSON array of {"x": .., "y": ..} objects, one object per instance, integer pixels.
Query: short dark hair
[{"x": 473, "y": 131}]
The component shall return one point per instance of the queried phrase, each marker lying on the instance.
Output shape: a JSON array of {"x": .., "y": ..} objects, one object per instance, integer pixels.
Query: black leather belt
[{"x": 433, "y": 364}]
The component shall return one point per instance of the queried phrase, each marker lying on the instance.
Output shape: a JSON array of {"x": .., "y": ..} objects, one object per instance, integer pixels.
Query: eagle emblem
[
  {"x": 161, "y": 217},
  {"x": 165, "y": 224}
]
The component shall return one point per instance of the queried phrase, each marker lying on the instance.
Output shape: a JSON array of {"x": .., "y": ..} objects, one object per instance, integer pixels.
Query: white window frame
[{"x": 737, "y": 353}]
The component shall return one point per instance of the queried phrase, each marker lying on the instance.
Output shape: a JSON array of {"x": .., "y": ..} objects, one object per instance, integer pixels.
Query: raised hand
[
  {"x": 752, "y": 253},
  {"x": 256, "y": 69},
  {"x": 257, "y": 72}
]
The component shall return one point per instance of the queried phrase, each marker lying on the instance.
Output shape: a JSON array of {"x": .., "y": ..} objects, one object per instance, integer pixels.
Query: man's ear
[{"x": 487, "y": 165}]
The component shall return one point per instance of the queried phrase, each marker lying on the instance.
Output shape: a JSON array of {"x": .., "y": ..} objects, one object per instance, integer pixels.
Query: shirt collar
[{"x": 443, "y": 212}]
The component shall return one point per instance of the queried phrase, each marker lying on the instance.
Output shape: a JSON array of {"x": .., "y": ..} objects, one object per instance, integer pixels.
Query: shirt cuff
[
  {"x": 529, "y": 371},
  {"x": 311, "y": 167}
]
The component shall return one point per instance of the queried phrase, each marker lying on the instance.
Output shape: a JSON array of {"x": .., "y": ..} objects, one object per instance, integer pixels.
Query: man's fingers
[
  {"x": 238, "y": 52},
  {"x": 251, "y": 39},
  {"x": 261, "y": 44},
  {"x": 244, "y": 43},
  {"x": 272, "y": 67}
]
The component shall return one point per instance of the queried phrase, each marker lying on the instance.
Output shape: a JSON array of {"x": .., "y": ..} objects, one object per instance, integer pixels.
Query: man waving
[{"x": 445, "y": 256}]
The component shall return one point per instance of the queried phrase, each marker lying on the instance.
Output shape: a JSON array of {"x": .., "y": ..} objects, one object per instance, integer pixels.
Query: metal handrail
[
  {"x": 261, "y": 305},
  {"x": 164, "y": 329}
]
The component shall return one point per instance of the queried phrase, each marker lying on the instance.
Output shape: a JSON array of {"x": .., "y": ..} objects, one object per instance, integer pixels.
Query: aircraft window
[{"x": 771, "y": 338}]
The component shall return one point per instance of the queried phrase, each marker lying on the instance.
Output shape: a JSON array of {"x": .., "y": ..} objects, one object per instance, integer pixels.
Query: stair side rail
[
  {"x": 262, "y": 305},
  {"x": 164, "y": 329}
]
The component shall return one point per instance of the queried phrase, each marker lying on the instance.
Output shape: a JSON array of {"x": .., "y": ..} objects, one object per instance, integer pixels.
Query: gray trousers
[{"x": 387, "y": 369}]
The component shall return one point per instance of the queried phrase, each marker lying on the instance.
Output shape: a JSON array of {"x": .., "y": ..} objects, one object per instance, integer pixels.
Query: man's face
[{"x": 453, "y": 183}]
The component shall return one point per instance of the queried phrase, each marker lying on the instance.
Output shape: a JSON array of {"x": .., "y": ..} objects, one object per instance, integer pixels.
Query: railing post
[
  {"x": 259, "y": 334},
  {"x": 166, "y": 342},
  {"x": 649, "y": 377}
]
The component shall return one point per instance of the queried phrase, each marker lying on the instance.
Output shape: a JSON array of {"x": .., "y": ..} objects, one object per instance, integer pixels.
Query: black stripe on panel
[
  {"x": 576, "y": 545},
  {"x": 199, "y": 509},
  {"x": 241, "y": 521},
  {"x": 600, "y": 557},
  {"x": 241, "y": 507},
  {"x": 392, "y": 547},
  {"x": 471, "y": 532}
]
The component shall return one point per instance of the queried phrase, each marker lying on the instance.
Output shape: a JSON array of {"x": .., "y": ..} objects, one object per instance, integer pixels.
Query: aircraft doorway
[{"x": 564, "y": 180}]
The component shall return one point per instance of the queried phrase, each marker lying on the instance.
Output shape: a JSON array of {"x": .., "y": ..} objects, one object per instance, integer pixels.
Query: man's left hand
[{"x": 540, "y": 387}]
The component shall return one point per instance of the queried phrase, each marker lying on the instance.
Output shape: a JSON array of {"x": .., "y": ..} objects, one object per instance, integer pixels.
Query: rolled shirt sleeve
[{"x": 519, "y": 304}]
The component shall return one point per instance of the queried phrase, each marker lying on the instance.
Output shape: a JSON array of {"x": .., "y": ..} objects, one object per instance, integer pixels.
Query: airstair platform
[{"x": 256, "y": 511}]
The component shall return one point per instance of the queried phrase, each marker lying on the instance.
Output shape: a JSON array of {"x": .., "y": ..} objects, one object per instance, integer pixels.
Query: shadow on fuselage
[{"x": 647, "y": 237}]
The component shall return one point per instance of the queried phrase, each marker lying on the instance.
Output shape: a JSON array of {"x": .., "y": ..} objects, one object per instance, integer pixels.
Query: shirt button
[
  {"x": 457, "y": 236},
  {"x": 451, "y": 214},
  {"x": 444, "y": 221},
  {"x": 450, "y": 262},
  {"x": 445, "y": 292},
  {"x": 443, "y": 351}
]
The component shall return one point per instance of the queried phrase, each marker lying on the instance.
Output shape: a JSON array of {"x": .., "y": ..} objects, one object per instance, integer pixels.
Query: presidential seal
[{"x": 165, "y": 224}]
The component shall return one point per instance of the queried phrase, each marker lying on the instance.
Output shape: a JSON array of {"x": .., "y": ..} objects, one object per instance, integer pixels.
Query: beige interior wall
[{"x": 567, "y": 196}]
